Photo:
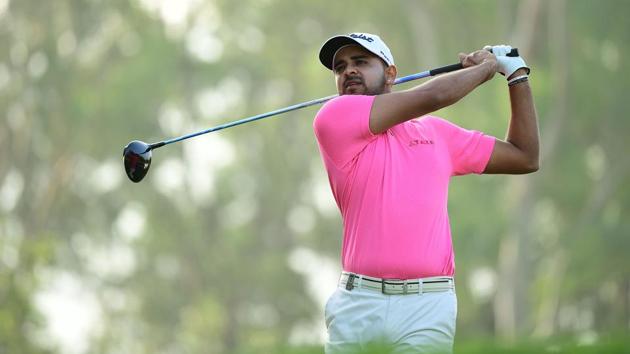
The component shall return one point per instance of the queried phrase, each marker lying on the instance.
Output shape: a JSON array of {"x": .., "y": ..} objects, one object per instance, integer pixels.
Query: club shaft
[
  {"x": 290, "y": 108},
  {"x": 432, "y": 72}
]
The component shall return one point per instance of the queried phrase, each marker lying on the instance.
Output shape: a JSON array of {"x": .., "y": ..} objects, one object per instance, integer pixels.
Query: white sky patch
[
  {"x": 93, "y": 49},
  {"x": 323, "y": 198},
  {"x": 107, "y": 176},
  {"x": 202, "y": 42},
  {"x": 595, "y": 162},
  {"x": 301, "y": 219},
  {"x": 85, "y": 165},
  {"x": 204, "y": 157},
  {"x": 277, "y": 93},
  {"x": 216, "y": 101},
  {"x": 251, "y": 39},
  {"x": 11, "y": 190},
  {"x": 9, "y": 255},
  {"x": 587, "y": 338},
  {"x": 172, "y": 119},
  {"x": 308, "y": 333},
  {"x": 239, "y": 211},
  {"x": 260, "y": 315},
  {"x": 4, "y": 5},
  {"x": 37, "y": 65},
  {"x": 66, "y": 44},
  {"x": 322, "y": 275},
  {"x": 12, "y": 233},
  {"x": 482, "y": 283},
  {"x": 610, "y": 55},
  {"x": 72, "y": 311},
  {"x": 131, "y": 221},
  {"x": 169, "y": 176},
  {"x": 115, "y": 260},
  {"x": 318, "y": 190},
  {"x": 321, "y": 272},
  {"x": 173, "y": 13}
]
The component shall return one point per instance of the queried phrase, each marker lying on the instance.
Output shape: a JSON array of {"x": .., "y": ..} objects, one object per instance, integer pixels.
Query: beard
[{"x": 374, "y": 89}]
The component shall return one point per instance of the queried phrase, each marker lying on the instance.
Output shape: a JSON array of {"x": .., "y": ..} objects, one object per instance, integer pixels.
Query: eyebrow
[{"x": 361, "y": 56}]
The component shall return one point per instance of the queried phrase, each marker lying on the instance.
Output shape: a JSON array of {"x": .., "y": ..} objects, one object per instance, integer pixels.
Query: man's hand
[
  {"x": 480, "y": 57},
  {"x": 507, "y": 65}
]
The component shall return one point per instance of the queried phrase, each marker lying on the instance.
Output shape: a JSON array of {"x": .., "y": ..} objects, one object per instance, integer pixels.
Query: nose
[{"x": 350, "y": 70}]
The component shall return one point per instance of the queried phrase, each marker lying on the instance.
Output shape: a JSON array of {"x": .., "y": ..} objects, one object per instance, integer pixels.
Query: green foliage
[
  {"x": 198, "y": 257},
  {"x": 612, "y": 345}
]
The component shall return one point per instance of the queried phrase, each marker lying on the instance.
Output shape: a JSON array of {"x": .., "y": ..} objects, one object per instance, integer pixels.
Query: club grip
[
  {"x": 512, "y": 53},
  {"x": 446, "y": 69},
  {"x": 458, "y": 66}
]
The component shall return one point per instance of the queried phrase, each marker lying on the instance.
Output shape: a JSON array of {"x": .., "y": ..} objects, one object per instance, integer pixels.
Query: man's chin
[
  {"x": 361, "y": 91},
  {"x": 354, "y": 91}
]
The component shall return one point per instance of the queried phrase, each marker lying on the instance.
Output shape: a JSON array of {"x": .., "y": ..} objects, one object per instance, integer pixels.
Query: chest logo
[{"x": 415, "y": 142}]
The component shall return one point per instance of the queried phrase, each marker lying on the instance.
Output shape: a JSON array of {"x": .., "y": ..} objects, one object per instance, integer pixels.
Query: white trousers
[{"x": 414, "y": 323}]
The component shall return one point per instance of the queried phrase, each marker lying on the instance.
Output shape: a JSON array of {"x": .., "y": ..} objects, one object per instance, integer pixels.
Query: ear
[{"x": 390, "y": 74}]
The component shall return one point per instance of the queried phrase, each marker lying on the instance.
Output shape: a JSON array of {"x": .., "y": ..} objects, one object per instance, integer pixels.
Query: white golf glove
[{"x": 507, "y": 65}]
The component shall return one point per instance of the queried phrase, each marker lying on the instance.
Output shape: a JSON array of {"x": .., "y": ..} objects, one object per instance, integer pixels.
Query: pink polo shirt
[{"x": 392, "y": 188}]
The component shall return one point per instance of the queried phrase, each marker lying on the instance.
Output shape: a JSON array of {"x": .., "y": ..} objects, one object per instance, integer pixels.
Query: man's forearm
[
  {"x": 450, "y": 88},
  {"x": 523, "y": 127},
  {"x": 397, "y": 107}
]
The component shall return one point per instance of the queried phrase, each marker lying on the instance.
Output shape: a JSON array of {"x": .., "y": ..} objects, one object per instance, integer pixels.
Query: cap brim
[{"x": 330, "y": 48}]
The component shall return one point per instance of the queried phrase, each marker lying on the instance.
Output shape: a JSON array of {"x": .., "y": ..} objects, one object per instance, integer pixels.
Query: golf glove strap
[{"x": 507, "y": 65}]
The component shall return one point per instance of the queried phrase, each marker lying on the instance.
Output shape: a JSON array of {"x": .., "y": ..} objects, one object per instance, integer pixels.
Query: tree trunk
[{"x": 511, "y": 310}]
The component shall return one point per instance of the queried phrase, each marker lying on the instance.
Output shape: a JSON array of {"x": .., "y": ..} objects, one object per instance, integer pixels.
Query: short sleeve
[
  {"x": 469, "y": 150},
  {"x": 342, "y": 128}
]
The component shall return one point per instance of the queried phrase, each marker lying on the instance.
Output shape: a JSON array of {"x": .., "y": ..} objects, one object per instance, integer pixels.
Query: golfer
[{"x": 389, "y": 164}]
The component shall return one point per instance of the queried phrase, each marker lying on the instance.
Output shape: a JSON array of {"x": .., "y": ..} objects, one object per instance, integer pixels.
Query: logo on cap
[{"x": 362, "y": 36}]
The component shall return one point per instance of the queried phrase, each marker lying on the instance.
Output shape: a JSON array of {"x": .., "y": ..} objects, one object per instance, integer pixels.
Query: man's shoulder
[
  {"x": 344, "y": 101},
  {"x": 344, "y": 106}
]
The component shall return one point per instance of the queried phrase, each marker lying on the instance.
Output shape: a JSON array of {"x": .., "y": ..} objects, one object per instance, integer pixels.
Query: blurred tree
[{"x": 201, "y": 256}]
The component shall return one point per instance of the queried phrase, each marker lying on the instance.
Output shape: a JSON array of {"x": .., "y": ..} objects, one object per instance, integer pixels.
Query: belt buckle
[
  {"x": 405, "y": 289},
  {"x": 350, "y": 282}
]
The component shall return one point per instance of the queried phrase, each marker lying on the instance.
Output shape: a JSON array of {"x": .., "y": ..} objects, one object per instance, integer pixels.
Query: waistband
[{"x": 397, "y": 286}]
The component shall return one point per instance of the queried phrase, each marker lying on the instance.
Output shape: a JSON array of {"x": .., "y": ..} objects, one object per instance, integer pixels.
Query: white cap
[{"x": 371, "y": 42}]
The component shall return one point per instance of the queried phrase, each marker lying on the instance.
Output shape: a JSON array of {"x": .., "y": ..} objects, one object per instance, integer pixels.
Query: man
[{"x": 389, "y": 175}]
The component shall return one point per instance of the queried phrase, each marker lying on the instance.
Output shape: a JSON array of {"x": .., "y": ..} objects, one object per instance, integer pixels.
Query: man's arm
[
  {"x": 519, "y": 152},
  {"x": 396, "y": 107}
]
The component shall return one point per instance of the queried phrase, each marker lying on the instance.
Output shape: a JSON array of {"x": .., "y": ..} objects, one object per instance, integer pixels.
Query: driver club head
[{"x": 137, "y": 160}]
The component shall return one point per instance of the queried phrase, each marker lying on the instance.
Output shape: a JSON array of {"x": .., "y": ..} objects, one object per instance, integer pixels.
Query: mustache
[{"x": 353, "y": 80}]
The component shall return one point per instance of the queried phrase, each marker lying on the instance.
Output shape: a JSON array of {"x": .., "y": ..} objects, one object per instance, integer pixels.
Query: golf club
[{"x": 137, "y": 154}]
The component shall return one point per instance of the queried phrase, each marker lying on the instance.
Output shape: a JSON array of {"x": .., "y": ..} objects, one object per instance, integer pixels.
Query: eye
[{"x": 339, "y": 68}]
